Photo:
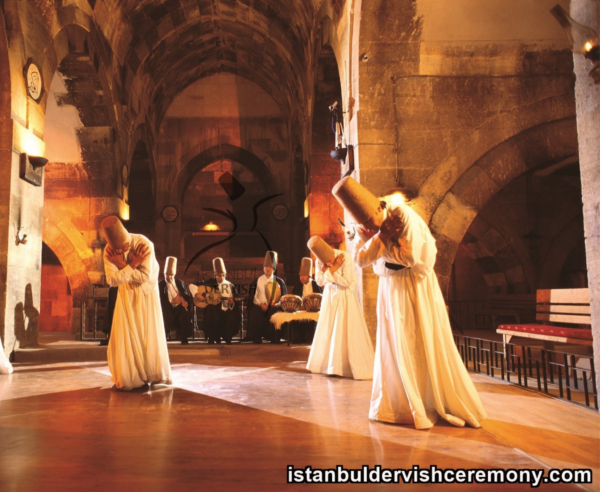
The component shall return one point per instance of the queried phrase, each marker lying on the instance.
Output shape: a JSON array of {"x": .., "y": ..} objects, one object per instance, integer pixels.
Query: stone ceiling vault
[{"x": 165, "y": 45}]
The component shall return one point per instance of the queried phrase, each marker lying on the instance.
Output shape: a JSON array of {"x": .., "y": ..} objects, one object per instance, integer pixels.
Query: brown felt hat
[
  {"x": 115, "y": 232},
  {"x": 171, "y": 265},
  {"x": 306, "y": 267},
  {"x": 359, "y": 202},
  {"x": 270, "y": 259},
  {"x": 321, "y": 249},
  {"x": 219, "y": 266}
]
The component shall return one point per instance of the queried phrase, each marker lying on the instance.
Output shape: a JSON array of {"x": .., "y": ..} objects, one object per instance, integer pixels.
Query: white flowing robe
[
  {"x": 419, "y": 374},
  {"x": 5, "y": 365},
  {"x": 342, "y": 345},
  {"x": 137, "y": 350}
]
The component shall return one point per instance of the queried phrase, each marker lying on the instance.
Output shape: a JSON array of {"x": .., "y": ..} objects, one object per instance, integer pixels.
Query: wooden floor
[{"x": 237, "y": 416}]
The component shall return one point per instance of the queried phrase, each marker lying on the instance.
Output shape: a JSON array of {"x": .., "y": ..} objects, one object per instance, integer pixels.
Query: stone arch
[
  {"x": 495, "y": 132},
  {"x": 152, "y": 76},
  {"x": 74, "y": 24},
  {"x": 471, "y": 189},
  {"x": 222, "y": 151},
  {"x": 65, "y": 248}
]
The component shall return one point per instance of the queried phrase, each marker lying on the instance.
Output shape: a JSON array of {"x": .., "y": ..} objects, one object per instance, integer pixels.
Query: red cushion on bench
[{"x": 557, "y": 331}]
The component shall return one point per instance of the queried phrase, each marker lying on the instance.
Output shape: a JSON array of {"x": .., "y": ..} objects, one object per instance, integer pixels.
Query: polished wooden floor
[{"x": 238, "y": 415}]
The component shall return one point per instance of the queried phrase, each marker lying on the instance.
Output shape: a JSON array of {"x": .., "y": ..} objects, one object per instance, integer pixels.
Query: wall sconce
[
  {"x": 211, "y": 227},
  {"x": 583, "y": 39},
  {"x": 31, "y": 168}
]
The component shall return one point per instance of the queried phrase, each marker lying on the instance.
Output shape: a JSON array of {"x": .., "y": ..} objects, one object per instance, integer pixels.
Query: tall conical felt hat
[
  {"x": 271, "y": 259},
  {"x": 321, "y": 249},
  {"x": 115, "y": 232},
  {"x": 219, "y": 266},
  {"x": 306, "y": 267},
  {"x": 171, "y": 265},
  {"x": 359, "y": 202}
]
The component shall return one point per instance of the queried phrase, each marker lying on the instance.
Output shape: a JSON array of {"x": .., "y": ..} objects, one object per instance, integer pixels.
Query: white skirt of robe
[
  {"x": 341, "y": 345},
  {"x": 5, "y": 365},
  {"x": 419, "y": 374},
  {"x": 137, "y": 350}
]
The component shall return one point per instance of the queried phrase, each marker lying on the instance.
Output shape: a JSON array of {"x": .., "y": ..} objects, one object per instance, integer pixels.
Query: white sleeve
[
  {"x": 415, "y": 248},
  {"x": 146, "y": 275},
  {"x": 345, "y": 276},
  {"x": 260, "y": 297},
  {"x": 319, "y": 275},
  {"x": 368, "y": 253},
  {"x": 114, "y": 276}
]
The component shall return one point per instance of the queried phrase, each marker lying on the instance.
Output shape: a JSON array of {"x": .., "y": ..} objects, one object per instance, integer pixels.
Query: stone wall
[{"x": 481, "y": 97}]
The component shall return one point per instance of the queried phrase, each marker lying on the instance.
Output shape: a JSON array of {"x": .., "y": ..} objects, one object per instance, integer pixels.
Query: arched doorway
[
  {"x": 528, "y": 236},
  {"x": 222, "y": 186},
  {"x": 56, "y": 300}
]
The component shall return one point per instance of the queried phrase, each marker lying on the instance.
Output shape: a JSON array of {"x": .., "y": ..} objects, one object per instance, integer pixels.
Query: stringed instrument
[{"x": 211, "y": 294}]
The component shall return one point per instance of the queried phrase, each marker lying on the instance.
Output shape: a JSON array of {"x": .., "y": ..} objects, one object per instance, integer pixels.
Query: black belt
[{"x": 394, "y": 266}]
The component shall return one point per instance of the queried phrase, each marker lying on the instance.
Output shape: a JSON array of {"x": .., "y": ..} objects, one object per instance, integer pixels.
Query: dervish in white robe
[
  {"x": 342, "y": 345},
  {"x": 137, "y": 350},
  {"x": 419, "y": 374}
]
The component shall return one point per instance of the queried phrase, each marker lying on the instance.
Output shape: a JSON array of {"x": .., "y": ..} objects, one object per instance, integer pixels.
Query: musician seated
[
  {"x": 222, "y": 319},
  {"x": 269, "y": 289},
  {"x": 176, "y": 302},
  {"x": 306, "y": 285}
]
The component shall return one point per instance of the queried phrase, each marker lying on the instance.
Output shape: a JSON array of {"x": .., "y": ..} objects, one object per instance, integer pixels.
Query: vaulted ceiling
[{"x": 165, "y": 45}]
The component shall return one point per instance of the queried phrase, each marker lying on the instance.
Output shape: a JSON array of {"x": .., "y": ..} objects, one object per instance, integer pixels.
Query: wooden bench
[
  {"x": 565, "y": 306},
  {"x": 520, "y": 307}
]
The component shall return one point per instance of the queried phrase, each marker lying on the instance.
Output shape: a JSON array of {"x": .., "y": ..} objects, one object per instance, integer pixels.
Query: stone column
[{"x": 587, "y": 96}]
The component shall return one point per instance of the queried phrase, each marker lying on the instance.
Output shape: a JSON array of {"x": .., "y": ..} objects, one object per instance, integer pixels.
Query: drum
[
  {"x": 290, "y": 303},
  {"x": 312, "y": 302}
]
